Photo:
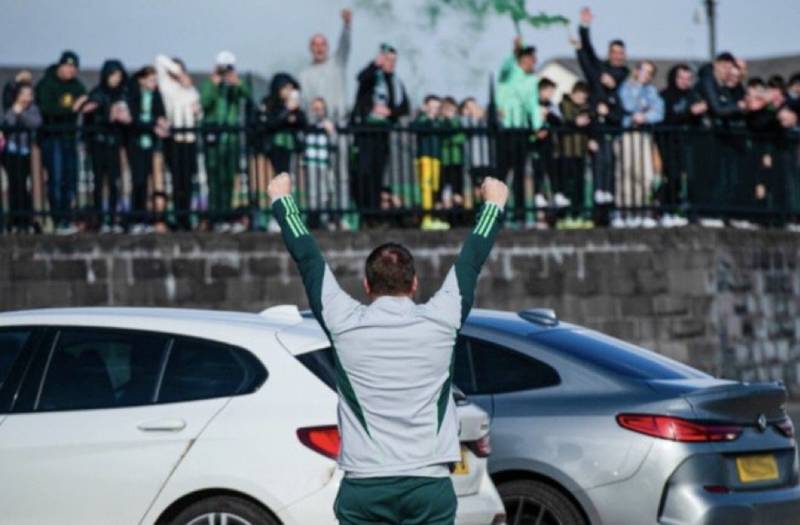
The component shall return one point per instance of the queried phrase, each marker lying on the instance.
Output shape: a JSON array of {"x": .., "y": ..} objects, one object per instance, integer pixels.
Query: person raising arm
[{"x": 393, "y": 359}]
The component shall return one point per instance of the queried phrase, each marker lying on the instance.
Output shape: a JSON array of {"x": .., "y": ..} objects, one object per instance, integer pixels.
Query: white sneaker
[
  {"x": 273, "y": 226},
  {"x": 712, "y": 223},
  {"x": 105, "y": 229},
  {"x": 561, "y": 201},
  {"x": 599, "y": 195},
  {"x": 633, "y": 222},
  {"x": 137, "y": 229},
  {"x": 117, "y": 229},
  {"x": 618, "y": 222},
  {"x": 793, "y": 227},
  {"x": 66, "y": 230},
  {"x": 744, "y": 225},
  {"x": 679, "y": 222},
  {"x": 540, "y": 201},
  {"x": 238, "y": 227},
  {"x": 649, "y": 222},
  {"x": 608, "y": 197}
]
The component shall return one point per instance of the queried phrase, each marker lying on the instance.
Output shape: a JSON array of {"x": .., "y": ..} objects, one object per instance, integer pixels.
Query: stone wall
[{"x": 724, "y": 301}]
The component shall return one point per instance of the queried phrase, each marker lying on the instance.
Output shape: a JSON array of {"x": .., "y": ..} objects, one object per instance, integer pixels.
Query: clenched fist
[
  {"x": 494, "y": 191},
  {"x": 280, "y": 186}
]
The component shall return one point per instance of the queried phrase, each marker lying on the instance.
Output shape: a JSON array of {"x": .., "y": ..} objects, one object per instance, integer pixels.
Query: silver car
[{"x": 588, "y": 429}]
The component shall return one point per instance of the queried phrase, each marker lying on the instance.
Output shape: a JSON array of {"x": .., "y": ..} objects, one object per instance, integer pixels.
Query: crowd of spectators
[{"x": 613, "y": 150}]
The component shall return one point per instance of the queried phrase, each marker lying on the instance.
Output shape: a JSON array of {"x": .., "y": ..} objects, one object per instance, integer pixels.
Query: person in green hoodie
[
  {"x": 223, "y": 97},
  {"x": 518, "y": 108},
  {"x": 60, "y": 96}
]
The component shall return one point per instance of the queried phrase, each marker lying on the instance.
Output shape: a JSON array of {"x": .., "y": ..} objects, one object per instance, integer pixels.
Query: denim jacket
[{"x": 638, "y": 98}]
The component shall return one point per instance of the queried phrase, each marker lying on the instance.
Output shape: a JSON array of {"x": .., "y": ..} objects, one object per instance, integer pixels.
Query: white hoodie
[{"x": 182, "y": 103}]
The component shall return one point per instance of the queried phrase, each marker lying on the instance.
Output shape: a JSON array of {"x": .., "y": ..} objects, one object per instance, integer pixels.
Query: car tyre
[
  {"x": 234, "y": 510},
  {"x": 529, "y": 501}
]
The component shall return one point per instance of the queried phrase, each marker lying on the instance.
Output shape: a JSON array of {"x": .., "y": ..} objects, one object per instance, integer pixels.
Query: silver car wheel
[{"x": 219, "y": 518}]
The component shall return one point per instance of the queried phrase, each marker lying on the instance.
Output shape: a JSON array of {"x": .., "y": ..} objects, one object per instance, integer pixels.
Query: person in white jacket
[{"x": 182, "y": 105}]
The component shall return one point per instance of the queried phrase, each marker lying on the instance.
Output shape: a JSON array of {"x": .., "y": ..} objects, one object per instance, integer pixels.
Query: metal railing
[{"x": 212, "y": 177}]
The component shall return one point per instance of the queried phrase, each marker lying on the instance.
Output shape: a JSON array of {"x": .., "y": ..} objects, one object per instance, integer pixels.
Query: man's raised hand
[
  {"x": 494, "y": 191},
  {"x": 586, "y": 16},
  {"x": 280, "y": 186}
]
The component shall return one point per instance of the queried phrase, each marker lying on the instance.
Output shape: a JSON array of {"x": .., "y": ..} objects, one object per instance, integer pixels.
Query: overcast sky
[{"x": 450, "y": 58}]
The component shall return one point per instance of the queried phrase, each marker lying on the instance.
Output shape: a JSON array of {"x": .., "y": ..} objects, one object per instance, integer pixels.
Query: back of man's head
[{"x": 390, "y": 271}]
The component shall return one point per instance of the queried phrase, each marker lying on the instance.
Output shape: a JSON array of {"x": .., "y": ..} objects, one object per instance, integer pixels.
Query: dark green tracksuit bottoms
[{"x": 396, "y": 501}]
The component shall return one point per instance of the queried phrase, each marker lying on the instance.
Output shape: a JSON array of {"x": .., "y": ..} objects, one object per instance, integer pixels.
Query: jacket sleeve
[
  {"x": 159, "y": 111},
  {"x": 628, "y": 98},
  {"x": 343, "y": 49},
  {"x": 366, "y": 84},
  {"x": 708, "y": 89},
  {"x": 31, "y": 117},
  {"x": 587, "y": 47},
  {"x": 454, "y": 299},
  {"x": 404, "y": 108},
  {"x": 44, "y": 97},
  {"x": 208, "y": 97},
  {"x": 331, "y": 306},
  {"x": 587, "y": 58},
  {"x": 655, "y": 104},
  {"x": 537, "y": 121}
]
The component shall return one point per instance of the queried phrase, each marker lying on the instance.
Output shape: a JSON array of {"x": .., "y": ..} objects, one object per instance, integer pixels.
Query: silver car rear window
[{"x": 615, "y": 356}]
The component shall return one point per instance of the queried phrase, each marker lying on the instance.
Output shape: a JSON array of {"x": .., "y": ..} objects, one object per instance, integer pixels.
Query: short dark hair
[
  {"x": 777, "y": 82},
  {"x": 525, "y": 51},
  {"x": 580, "y": 85},
  {"x": 754, "y": 82},
  {"x": 450, "y": 100},
  {"x": 546, "y": 83},
  {"x": 794, "y": 79},
  {"x": 144, "y": 72},
  {"x": 617, "y": 42},
  {"x": 725, "y": 56},
  {"x": 390, "y": 270},
  {"x": 428, "y": 98}
]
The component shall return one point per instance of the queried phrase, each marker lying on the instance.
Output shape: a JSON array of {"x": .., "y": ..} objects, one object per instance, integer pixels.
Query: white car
[{"x": 172, "y": 416}]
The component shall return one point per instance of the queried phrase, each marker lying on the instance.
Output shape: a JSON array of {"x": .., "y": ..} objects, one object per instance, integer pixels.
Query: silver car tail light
[{"x": 678, "y": 429}]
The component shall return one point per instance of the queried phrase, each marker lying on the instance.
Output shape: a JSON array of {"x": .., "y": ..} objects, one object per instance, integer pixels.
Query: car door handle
[{"x": 163, "y": 425}]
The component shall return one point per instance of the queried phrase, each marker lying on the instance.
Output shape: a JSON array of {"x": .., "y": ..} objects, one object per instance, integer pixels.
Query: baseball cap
[
  {"x": 387, "y": 48},
  {"x": 226, "y": 58}
]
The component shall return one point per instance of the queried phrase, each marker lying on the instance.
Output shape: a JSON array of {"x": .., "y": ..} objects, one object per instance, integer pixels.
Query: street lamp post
[{"x": 711, "y": 18}]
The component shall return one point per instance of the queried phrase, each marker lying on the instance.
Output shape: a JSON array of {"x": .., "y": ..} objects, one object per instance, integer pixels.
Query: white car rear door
[{"x": 103, "y": 419}]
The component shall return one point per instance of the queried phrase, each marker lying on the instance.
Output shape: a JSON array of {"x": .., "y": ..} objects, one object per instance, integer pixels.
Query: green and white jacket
[{"x": 393, "y": 357}]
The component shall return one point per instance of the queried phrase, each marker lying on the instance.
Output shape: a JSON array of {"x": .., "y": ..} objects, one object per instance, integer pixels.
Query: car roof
[{"x": 140, "y": 317}]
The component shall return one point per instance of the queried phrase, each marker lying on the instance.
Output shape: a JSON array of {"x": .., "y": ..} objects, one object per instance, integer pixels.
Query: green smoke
[{"x": 480, "y": 10}]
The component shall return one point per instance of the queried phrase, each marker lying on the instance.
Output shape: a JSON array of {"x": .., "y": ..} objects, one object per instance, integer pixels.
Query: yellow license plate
[
  {"x": 762, "y": 467},
  {"x": 462, "y": 467}
]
